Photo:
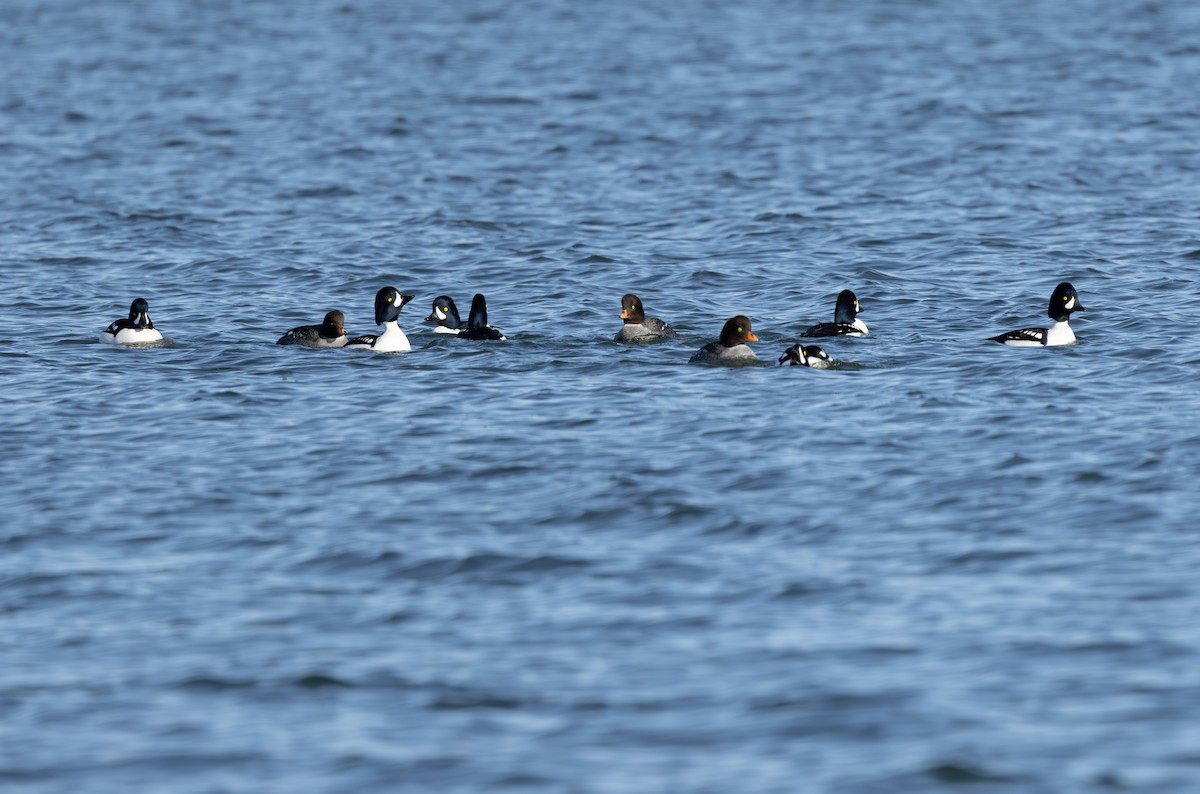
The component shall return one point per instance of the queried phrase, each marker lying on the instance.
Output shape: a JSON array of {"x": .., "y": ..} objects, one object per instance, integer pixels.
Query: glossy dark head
[
  {"x": 478, "y": 319},
  {"x": 631, "y": 309},
  {"x": 388, "y": 303},
  {"x": 793, "y": 357},
  {"x": 804, "y": 356},
  {"x": 847, "y": 307},
  {"x": 334, "y": 325},
  {"x": 139, "y": 313},
  {"x": 737, "y": 331},
  {"x": 444, "y": 312},
  {"x": 1063, "y": 301}
]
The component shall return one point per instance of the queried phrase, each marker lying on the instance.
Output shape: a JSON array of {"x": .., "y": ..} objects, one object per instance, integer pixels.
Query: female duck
[
  {"x": 330, "y": 333},
  {"x": 137, "y": 330},
  {"x": 388, "y": 303},
  {"x": 638, "y": 327},
  {"x": 731, "y": 348}
]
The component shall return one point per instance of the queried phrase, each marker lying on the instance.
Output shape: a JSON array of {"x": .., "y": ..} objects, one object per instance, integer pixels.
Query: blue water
[{"x": 560, "y": 564}]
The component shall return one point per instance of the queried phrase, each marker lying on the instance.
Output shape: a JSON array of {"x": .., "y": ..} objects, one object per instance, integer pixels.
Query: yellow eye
[{"x": 739, "y": 328}]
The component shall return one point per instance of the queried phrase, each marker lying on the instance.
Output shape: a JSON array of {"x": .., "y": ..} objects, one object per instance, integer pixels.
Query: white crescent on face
[{"x": 1070, "y": 303}]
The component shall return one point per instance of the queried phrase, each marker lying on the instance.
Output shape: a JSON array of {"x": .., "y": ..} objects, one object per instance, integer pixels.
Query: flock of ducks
[{"x": 730, "y": 348}]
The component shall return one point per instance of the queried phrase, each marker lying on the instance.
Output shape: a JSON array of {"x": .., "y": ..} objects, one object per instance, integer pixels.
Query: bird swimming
[{"x": 1064, "y": 301}]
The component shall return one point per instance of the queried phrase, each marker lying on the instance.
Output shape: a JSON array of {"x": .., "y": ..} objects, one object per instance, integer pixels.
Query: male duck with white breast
[
  {"x": 1064, "y": 301},
  {"x": 388, "y": 303},
  {"x": 846, "y": 321},
  {"x": 136, "y": 330}
]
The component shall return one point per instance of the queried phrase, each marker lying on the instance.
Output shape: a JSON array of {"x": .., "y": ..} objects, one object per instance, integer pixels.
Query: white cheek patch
[
  {"x": 438, "y": 313},
  {"x": 1070, "y": 304}
]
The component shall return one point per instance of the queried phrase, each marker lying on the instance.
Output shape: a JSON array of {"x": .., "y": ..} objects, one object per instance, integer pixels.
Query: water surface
[{"x": 560, "y": 564}]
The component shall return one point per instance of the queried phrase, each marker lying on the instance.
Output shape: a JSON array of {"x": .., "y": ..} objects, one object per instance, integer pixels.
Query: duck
[
  {"x": 731, "y": 348},
  {"x": 805, "y": 356},
  {"x": 445, "y": 314},
  {"x": 136, "y": 330},
  {"x": 388, "y": 303},
  {"x": 330, "y": 333},
  {"x": 1064, "y": 301},
  {"x": 477, "y": 322},
  {"x": 638, "y": 327},
  {"x": 846, "y": 321}
]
